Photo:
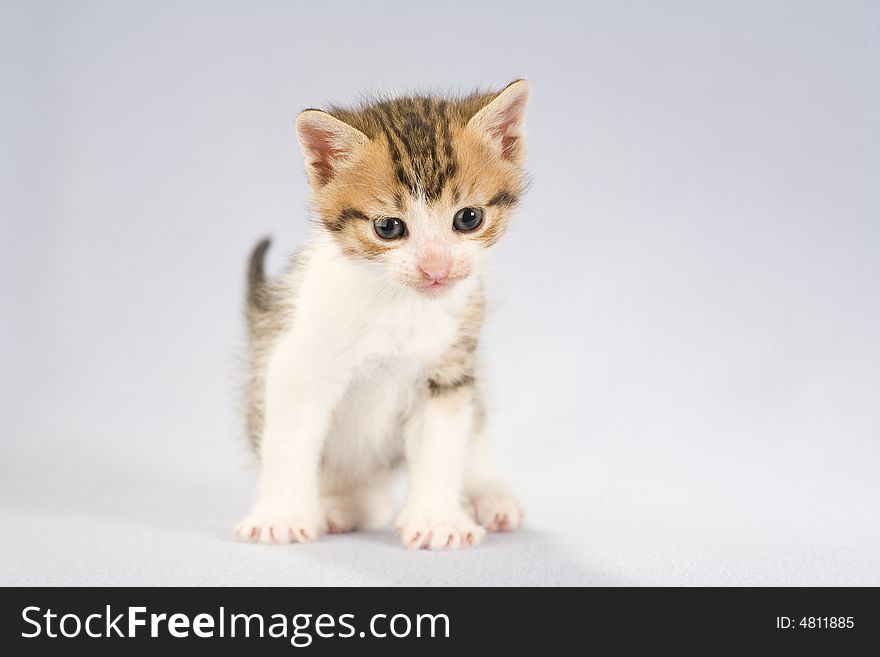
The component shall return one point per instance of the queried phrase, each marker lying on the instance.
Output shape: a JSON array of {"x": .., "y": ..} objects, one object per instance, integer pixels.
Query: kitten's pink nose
[{"x": 435, "y": 267}]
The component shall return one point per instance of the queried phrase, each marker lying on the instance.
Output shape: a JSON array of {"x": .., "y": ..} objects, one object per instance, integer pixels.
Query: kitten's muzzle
[{"x": 435, "y": 268}]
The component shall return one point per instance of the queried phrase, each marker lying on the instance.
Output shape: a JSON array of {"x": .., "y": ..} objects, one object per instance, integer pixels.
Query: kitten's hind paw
[
  {"x": 272, "y": 529},
  {"x": 496, "y": 511},
  {"x": 341, "y": 514}
]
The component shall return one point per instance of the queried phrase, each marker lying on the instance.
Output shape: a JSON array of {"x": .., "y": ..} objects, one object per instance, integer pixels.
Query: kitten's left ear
[
  {"x": 501, "y": 121},
  {"x": 327, "y": 144}
]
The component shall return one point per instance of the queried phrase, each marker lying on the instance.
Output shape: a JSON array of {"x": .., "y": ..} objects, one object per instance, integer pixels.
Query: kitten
[{"x": 363, "y": 350}]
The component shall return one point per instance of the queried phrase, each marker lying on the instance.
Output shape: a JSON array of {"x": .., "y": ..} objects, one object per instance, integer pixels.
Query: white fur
[{"x": 339, "y": 383}]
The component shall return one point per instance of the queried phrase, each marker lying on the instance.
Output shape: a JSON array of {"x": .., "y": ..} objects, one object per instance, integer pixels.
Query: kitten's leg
[
  {"x": 302, "y": 387},
  {"x": 490, "y": 501},
  {"x": 436, "y": 443}
]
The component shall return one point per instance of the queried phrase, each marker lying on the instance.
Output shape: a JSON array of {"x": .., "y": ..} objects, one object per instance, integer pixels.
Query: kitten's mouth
[{"x": 435, "y": 288}]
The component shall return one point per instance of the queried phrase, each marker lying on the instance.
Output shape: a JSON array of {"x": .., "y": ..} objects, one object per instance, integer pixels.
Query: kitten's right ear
[
  {"x": 501, "y": 120},
  {"x": 327, "y": 143}
]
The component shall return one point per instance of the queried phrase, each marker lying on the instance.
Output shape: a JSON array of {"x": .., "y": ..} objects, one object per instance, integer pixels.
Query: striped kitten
[{"x": 362, "y": 352}]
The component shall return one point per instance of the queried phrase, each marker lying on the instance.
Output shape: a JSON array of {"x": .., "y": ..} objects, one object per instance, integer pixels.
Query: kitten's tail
[{"x": 257, "y": 290}]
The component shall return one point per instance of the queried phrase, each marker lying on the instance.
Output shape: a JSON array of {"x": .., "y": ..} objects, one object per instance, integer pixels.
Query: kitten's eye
[
  {"x": 389, "y": 228},
  {"x": 467, "y": 219}
]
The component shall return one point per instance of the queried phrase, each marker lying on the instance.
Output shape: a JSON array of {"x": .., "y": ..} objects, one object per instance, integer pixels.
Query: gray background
[{"x": 684, "y": 349}]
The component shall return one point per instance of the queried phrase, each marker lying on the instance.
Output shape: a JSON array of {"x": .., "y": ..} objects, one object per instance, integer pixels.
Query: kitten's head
[{"x": 420, "y": 185}]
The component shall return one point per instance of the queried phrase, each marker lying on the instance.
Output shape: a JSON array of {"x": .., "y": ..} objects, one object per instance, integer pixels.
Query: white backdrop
[{"x": 684, "y": 346}]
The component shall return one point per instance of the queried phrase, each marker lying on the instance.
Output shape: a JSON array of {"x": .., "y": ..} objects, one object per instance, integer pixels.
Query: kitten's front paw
[
  {"x": 271, "y": 528},
  {"x": 497, "y": 511},
  {"x": 432, "y": 531}
]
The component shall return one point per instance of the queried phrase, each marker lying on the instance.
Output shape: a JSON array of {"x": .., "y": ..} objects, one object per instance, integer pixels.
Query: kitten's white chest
[
  {"x": 421, "y": 331},
  {"x": 388, "y": 345}
]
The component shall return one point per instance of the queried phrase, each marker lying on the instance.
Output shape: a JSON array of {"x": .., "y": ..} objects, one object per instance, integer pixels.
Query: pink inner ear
[
  {"x": 506, "y": 126},
  {"x": 322, "y": 146}
]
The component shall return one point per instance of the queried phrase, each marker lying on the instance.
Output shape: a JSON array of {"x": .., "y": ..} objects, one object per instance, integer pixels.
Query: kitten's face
[{"x": 421, "y": 187}]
